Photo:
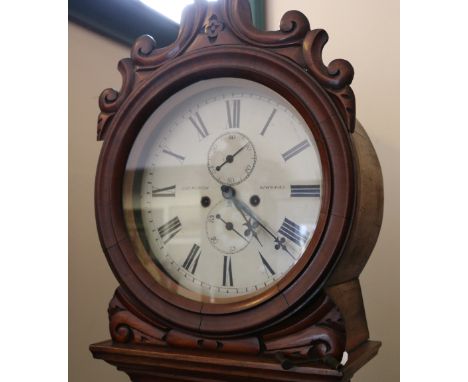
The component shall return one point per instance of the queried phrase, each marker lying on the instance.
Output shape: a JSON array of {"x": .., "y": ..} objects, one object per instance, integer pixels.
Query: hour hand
[
  {"x": 280, "y": 242},
  {"x": 251, "y": 226},
  {"x": 230, "y": 194}
]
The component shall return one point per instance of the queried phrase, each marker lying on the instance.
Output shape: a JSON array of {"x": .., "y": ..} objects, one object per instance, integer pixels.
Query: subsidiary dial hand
[
  {"x": 240, "y": 150},
  {"x": 230, "y": 158},
  {"x": 230, "y": 227}
]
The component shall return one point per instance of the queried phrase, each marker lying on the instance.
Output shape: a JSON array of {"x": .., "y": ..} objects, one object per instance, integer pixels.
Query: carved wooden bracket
[
  {"x": 318, "y": 334},
  {"x": 323, "y": 339},
  {"x": 126, "y": 327},
  {"x": 229, "y": 22}
]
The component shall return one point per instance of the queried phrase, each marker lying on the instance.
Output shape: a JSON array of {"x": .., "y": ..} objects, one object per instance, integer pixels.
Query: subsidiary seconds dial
[{"x": 231, "y": 158}]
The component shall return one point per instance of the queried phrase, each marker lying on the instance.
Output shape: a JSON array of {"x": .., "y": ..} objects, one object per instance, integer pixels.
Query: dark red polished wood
[{"x": 144, "y": 364}]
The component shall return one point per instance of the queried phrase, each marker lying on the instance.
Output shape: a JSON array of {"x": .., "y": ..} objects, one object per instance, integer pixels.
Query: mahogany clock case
[{"x": 320, "y": 298}]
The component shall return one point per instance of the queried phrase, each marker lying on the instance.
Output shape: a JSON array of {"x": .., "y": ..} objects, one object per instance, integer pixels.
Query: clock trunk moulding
[{"x": 315, "y": 312}]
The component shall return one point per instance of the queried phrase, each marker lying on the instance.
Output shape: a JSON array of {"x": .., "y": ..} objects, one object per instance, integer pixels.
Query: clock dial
[
  {"x": 236, "y": 166},
  {"x": 222, "y": 190},
  {"x": 224, "y": 228}
]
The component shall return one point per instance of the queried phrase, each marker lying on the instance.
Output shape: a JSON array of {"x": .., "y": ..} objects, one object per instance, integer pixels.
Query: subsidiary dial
[
  {"x": 225, "y": 229},
  {"x": 231, "y": 158}
]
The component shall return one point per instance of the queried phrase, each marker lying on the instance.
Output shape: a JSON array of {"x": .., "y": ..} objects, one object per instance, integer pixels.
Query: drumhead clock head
[{"x": 232, "y": 187}]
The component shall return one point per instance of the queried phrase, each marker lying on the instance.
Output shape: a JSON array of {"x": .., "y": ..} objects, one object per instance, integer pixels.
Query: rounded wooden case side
[{"x": 368, "y": 214}]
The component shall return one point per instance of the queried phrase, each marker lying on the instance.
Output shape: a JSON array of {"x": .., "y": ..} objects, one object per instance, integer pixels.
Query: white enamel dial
[{"x": 226, "y": 189}]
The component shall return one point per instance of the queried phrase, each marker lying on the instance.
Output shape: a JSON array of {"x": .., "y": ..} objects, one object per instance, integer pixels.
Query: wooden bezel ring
[{"x": 335, "y": 148}]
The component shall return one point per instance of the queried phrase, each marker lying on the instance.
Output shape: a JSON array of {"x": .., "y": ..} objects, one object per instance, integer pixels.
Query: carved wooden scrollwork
[
  {"x": 293, "y": 26},
  {"x": 294, "y": 39},
  {"x": 110, "y": 100},
  {"x": 295, "y": 30},
  {"x": 324, "y": 339},
  {"x": 125, "y": 327},
  {"x": 318, "y": 340},
  {"x": 335, "y": 78},
  {"x": 318, "y": 334},
  {"x": 144, "y": 51},
  {"x": 145, "y": 56}
]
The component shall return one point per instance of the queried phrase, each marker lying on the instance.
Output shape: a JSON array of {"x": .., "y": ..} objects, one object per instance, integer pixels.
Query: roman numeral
[
  {"x": 268, "y": 122},
  {"x": 312, "y": 190},
  {"x": 268, "y": 268},
  {"x": 164, "y": 192},
  {"x": 227, "y": 271},
  {"x": 296, "y": 150},
  {"x": 177, "y": 156},
  {"x": 191, "y": 262},
  {"x": 233, "y": 113},
  {"x": 296, "y": 233},
  {"x": 199, "y": 125},
  {"x": 170, "y": 229}
]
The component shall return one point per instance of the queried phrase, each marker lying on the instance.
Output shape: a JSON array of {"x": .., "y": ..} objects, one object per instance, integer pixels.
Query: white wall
[
  {"x": 366, "y": 32},
  {"x": 92, "y": 68}
]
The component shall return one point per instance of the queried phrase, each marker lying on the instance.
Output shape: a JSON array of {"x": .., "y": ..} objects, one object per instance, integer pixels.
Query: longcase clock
[{"x": 237, "y": 201}]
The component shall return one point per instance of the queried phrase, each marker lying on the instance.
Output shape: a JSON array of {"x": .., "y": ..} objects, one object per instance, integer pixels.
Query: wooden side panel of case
[
  {"x": 348, "y": 299},
  {"x": 368, "y": 213}
]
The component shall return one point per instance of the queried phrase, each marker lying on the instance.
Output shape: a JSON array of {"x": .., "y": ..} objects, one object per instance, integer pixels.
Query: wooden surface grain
[{"x": 160, "y": 364}]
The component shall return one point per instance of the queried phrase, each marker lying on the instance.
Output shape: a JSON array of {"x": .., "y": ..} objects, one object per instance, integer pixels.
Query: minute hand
[{"x": 247, "y": 210}]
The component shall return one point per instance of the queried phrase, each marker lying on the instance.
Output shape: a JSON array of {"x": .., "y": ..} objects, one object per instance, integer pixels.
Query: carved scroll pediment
[{"x": 233, "y": 18}]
